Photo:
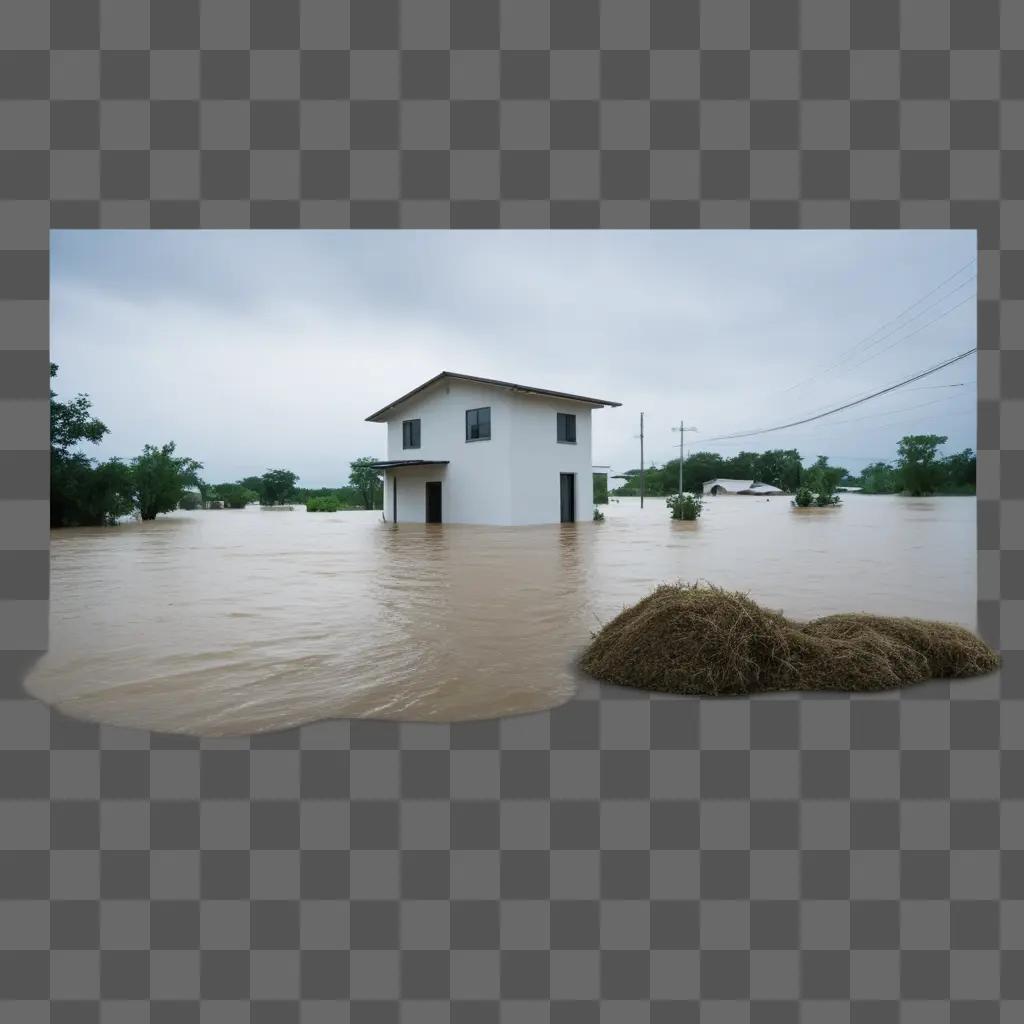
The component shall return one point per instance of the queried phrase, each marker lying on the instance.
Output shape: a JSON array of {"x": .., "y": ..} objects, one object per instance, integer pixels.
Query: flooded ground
[{"x": 225, "y": 622}]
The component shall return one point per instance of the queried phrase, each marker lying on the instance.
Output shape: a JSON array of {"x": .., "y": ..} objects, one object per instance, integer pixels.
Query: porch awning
[{"x": 402, "y": 463}]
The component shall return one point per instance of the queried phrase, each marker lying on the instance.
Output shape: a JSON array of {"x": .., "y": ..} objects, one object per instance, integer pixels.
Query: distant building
[
  {"x": 722, "y": 486},
  {"x": 463, "y": 449}
]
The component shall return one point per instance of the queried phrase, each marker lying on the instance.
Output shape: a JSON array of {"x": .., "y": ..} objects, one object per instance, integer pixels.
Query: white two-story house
[{"x": 465, "y": 449}]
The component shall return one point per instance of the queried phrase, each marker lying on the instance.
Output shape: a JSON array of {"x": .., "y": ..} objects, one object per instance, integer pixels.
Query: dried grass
[{"x": 702, "y": 640}]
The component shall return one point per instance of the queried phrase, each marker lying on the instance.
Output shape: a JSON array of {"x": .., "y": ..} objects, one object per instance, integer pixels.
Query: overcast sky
[{"x": 266, "y": 349}]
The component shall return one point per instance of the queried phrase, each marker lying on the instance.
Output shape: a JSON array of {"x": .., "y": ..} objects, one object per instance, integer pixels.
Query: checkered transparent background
[{"x": 622, "y": 858}]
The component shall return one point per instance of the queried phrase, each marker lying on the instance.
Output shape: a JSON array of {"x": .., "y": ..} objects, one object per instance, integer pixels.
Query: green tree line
[
  {"x": 782, "y": 468},
  {"x": 918, "y": 469},
  {"x": 277, "y": 486},
  {"x": 87, "y": 492}
]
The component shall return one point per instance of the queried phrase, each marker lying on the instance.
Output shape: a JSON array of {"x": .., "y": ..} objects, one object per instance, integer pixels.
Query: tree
[
  {"x": 600, "y": 489},
  {"x": 698, "y": 467},
  {"x": 71, "y": 422},
  {"x": 82, "y": 493},
  {"x": 823, "y": 479},
  {"x": 960, "y": 470},
  {"x": 879, "y": 478},
  {"x": 277, "y": 486},
  {"x": 85, "y": 494},
  {"x": 233, "y": 495},
  {"x": 346, "y": 497},
  {"x": 367, "y": 482},
  {"x": 158, "y": 479},
  {"x": 742, "y": 466},
  {"x": 254, "y": 483},
  {"x": 918, "y": 470},
  {"x": 779, "y": 467}
]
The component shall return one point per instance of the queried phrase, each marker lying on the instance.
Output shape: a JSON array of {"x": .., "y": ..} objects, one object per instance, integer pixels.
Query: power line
[
  {"x": 847, "y": 405},
  {"x": 926, "y": 387},
  {"x": 918, "y": 330},
  {"x": 792, "y": 439},
  {"x": 920, "y": 313},
  {"x": 823, "y": 408},
  {"x": 905, "y": 408},
  {"x": 868, "y": 339},
  {"x": 804, "y": 438}
]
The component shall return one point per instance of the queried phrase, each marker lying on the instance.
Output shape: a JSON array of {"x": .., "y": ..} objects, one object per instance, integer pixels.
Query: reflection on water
[{"x": 234, "y": 621}]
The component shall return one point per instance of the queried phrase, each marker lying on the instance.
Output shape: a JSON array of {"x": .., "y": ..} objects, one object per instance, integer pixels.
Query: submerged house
[
  {"x": 723, "y": 486},
  {"x": 464, "y": 449}
]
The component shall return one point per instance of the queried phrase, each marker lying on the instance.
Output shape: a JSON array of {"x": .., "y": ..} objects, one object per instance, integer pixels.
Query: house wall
[
  {"x": 476, "y": 483},
  {"x": 538, "y": 459},
  {"x": 412, "y": 492},
  {"x": 511, "y": 479}
]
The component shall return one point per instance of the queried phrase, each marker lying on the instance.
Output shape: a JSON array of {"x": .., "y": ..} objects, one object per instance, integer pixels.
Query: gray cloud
[{"x": 257, "y": 349}]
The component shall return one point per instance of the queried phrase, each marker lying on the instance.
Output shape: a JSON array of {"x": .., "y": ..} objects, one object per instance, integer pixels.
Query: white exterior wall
[
  {"x": 511, "y": 479},
  {"x": 412, "y": 492},
  {"x": 476, "y": 485},
  {"x": 538, "y": 459}
]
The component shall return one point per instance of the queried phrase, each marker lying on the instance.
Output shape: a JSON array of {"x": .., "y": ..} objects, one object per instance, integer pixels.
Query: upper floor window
[
  {"x": 410, "y": 433},
  {"x": 478, "y": 424},
  {"x": 566, "y": 428}
]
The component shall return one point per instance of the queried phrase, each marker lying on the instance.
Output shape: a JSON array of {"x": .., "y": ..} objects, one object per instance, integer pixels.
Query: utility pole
[
  {"x": 682, "y": 432},
  {"x": 641, "y": 460},
  {"x": 640, "y": 435}
]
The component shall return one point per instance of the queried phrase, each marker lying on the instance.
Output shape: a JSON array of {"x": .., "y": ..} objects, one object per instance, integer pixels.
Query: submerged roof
[
  {"x": 381, "y": 414},
  {"x": 739, "y": 486},
  {"x": 398, "y": 463},
  {"x": 722, "y": 481}
]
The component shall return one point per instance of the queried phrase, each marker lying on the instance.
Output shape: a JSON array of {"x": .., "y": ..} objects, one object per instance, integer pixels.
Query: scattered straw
[{"x": 700, "y": 639}]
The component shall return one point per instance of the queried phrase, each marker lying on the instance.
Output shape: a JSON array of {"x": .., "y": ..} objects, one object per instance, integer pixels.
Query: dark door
[
  {"x": 433, "y": 501},
  {"x": 568, "y": 483}
]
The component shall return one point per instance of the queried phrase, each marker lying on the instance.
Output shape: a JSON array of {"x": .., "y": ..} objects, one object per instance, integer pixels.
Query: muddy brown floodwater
[{"x": 223, "y": 622}]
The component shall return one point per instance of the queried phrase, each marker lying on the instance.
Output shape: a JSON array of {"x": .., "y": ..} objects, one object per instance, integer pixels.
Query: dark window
[
  {"x": 566, "y": 428},
  {"x": 410, "y": 433},
  {"x": 478, "y": 424}
]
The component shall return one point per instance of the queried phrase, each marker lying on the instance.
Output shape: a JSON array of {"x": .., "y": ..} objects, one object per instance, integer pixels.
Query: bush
[
  {"x": 824, "y": 498},
  {"x": 598, "y": 515},
  {"x": 324, "y": 504},
  {"x": 692, "y": 506},
  {"x": 190, "y": 501},
  {"x": 685, "y": 506}
]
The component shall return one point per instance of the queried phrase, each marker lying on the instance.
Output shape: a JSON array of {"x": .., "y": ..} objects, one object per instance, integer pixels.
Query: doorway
[
  {"x": 568, "y": 489},
  {"x": 433, "y": 501}
]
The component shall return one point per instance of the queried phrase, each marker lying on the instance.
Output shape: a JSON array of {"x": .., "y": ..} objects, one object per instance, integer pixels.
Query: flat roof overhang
[{"x": 402, "y": 463}]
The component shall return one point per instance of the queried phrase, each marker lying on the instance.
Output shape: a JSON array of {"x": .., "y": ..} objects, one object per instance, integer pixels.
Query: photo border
[{"x": 625, "y": 856}]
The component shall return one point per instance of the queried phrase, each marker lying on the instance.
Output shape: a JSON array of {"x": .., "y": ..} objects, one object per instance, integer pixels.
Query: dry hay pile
[{"x": 699, "y": 639}]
